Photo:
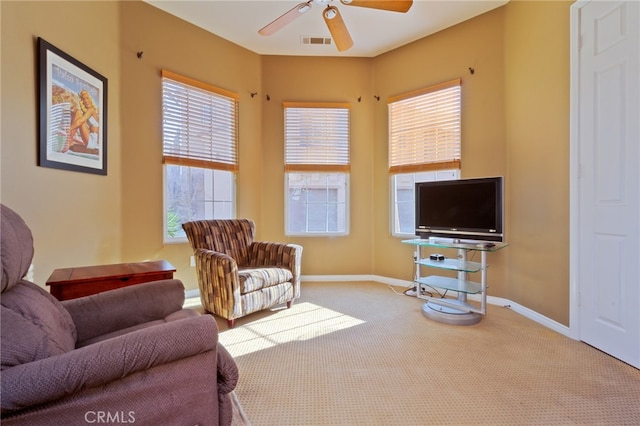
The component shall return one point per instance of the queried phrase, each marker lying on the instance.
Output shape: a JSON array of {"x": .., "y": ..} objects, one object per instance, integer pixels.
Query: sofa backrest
[
  {"x": 33, "y": 324},
  {"x": 16, "y": 247},
  {"x": 230, "y": 236}
]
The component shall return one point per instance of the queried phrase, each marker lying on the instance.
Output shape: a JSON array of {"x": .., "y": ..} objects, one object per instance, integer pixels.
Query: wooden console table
[{"x": 70, "y": 283}]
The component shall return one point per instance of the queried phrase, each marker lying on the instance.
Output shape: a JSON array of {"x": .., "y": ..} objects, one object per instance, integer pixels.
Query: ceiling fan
[{"x": 332, "y": 17}]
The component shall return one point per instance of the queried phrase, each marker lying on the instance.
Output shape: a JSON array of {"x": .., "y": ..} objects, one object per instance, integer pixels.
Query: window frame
[
  {"x": 419, "y": 165},
  {"x": 219, "y": 154},
  {"x": 335, "y": 161},
  {"x": 167, "y": 239},
  {"x": 345, "y": 213},
  {"x": 417, "y": 177}
]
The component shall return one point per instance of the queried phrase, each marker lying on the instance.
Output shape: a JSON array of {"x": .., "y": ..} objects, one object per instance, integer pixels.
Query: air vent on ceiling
[{"x": 315, "y": 40}]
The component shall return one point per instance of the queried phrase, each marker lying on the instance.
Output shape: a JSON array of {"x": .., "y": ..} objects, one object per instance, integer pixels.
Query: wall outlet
[{"x": 192, "y": 261}]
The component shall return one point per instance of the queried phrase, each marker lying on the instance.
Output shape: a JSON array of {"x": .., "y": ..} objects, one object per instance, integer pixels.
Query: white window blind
[
  {"x": 424, "y": 129},
  {"x": 200, "y": 124},
  {"x": 316, "y": 137}
]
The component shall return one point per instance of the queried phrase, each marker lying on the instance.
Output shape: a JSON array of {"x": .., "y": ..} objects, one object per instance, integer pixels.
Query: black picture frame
[{"x": 72, "y": 113}]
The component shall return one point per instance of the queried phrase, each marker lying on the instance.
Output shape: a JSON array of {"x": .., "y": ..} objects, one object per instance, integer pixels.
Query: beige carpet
[
  {"x": 240, "y": 417},
  {"x": 359, "y": 354}
]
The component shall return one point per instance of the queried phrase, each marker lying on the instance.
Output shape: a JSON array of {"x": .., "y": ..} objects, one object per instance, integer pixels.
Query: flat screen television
[{"x": 463, "y": 209}]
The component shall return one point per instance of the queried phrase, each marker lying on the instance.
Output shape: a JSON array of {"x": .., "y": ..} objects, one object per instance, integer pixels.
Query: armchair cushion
[{"x": 252, "y": 279}]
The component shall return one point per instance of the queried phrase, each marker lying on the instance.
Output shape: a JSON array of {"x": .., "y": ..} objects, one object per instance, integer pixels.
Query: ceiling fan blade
[
  {"x": 392, "y": 5},
  {"x": 285, "y": 19},
  {"x": 337, "y": 28}
]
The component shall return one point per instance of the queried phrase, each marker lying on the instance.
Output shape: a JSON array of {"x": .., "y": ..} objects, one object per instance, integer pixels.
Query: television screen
[{"x": 465, "y": 209}]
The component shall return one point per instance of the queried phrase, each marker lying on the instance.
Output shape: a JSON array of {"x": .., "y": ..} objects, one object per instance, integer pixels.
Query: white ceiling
[{"x": 373, "y": 31}]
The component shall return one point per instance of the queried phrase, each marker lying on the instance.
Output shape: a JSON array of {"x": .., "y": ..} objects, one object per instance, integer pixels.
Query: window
[
  {"x": 403, "y": 198},
  {"x": 199, "y": 139},
  {"x": 424, "y": 145},
  {"x": 316, "y": 169}
]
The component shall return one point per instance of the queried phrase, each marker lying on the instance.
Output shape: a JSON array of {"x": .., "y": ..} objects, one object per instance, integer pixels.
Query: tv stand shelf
[
  {"x": 451, "y": 264},
  {"x": 453, "y": 284},
  {"x": 454, "y": 311}
]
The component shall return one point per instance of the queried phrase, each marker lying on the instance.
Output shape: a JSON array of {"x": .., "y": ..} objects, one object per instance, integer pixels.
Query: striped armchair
[{"x": 237, "y": 275}]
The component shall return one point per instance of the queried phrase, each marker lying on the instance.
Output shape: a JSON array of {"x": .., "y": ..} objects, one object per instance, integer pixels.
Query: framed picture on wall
[{"x": 72, "y": 113}]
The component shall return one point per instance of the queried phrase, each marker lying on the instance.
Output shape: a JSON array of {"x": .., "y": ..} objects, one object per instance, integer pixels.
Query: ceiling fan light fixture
[
  {"x": 288, "y": 17},
  {"x": 330, "y": 12},
  {"x": 337, "y": 28}
]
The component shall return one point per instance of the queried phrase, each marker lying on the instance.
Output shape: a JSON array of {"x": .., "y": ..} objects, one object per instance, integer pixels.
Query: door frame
[
  {"x": 575, "y": 326},
  {"x": 574, "y": 167}
]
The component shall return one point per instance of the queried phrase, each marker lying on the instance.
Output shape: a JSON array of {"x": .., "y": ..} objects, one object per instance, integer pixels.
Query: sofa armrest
[
  {"x": 118, "y": 309},
  {"x": 95, "y": 365},
  {"x": 227, "y": 371}
]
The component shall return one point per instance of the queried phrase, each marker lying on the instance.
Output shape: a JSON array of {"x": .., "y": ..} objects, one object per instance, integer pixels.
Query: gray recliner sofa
[{"x": 131, "y": 355}]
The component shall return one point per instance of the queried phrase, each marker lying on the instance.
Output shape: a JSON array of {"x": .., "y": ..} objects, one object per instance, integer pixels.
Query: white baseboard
[
  {"x": 189, "y": 294},
  {"x": 532, "y": 315},
  {"x": 376, "y": 278},
  {"x": 498, "y": 301}
]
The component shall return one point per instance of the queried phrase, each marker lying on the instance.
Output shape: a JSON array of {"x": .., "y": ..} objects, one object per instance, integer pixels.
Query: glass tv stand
[{"x": 456, "y": 311}]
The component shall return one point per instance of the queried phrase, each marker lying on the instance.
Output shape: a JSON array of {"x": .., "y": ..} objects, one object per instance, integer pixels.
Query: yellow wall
[
  {"x": 321, "y": 79},
  {"x": 447, "y": 55},
  {"x": 515, "y": 123},
  {"x": 175, "y": 45},
  {"x": 537, "y": 79},
  {"x": 515, "y": 112},
  {"x": 75, "y": 218}
]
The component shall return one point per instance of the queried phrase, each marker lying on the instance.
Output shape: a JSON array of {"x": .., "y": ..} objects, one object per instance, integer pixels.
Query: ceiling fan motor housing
[{"x": 332, "y": 17}]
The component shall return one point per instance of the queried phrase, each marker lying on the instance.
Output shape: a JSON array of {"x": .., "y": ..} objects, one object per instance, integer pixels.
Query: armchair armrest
[
  {"x": 263, "y": 253},
  {"x": 113, "y": 310},
  {"x": 283, "y": 255},
  {"x": 219, "y": 282},
  {"x": 95, "y": 365}
]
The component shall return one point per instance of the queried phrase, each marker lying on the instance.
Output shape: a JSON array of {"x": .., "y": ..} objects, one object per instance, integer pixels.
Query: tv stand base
[{"x": 447, "y": 315}]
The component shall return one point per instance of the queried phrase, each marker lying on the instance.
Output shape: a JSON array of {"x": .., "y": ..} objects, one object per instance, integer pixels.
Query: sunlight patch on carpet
[{"x": 302, "y": 321}]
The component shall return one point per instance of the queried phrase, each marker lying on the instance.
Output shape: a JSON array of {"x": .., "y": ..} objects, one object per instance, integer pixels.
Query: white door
[{"x": 606, "y": 244}]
